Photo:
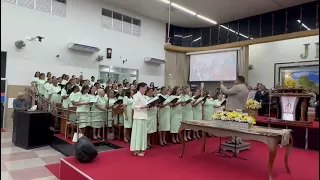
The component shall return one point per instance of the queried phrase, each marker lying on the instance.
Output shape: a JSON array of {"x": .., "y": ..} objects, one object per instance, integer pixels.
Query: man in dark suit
[{"x": 262, "y": 95}]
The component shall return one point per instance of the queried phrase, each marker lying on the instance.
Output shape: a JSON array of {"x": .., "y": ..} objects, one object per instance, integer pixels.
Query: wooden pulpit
[{"x": 292, "y": 104}]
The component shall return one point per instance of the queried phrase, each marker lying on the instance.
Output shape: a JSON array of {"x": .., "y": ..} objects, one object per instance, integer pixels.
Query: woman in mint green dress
[
  {"x": 187, "y": 113},
  {"x": 54, "y": 94},
  {"x": 152, "y": 117},
  {"x": 208, "y": 107},
  {"x": 36, "y": 77},
  {"x": 121, "y": 96},
  {"x": 47, "y": 87},
  {"x": 83, "y": 108},
  {"x": 164, "y": 117},
  {"x": 40, "y": 84},
  {"x": 73, "y": 97},
  {"x": 98, "y": 114},
  {"x": 65, "y": 96},
  {"x": 197, "y": 110},
  {"x": 127, "y": 112},
  {"x": 175, "y": 115},
  {"x": 110, "y": 100},
  {"x": 218, "y": 102},
  {"x": 138, "y": 143}
]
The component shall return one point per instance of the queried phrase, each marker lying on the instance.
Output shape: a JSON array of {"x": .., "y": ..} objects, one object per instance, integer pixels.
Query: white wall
[
  {"x": 82, "y": 25},
  {"x": 264, "y": 56}
]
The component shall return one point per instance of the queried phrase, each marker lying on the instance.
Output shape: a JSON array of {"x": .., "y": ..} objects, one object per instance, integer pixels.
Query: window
[
  {"x": 120, "y": 22},
  {"x": 55, "y": 7}
]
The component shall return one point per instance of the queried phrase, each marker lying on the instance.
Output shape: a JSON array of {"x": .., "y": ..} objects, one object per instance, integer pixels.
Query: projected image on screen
[{"x": 220, "y": 66}]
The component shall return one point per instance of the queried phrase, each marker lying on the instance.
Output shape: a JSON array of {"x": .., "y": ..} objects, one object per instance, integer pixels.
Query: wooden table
[{"x": 256, "y": 133}]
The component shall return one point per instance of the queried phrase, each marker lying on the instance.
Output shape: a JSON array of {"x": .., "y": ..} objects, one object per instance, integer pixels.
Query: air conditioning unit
[
  {"x": 154, "y": 60},
  {"x": 83, "y": 48}
]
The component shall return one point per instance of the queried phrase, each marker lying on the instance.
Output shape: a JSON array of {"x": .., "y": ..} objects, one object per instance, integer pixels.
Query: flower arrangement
[
  {"x": 234, "y": 116},
  {"x": 253, "y": 104},
  {"x": 289, "y": 82}
]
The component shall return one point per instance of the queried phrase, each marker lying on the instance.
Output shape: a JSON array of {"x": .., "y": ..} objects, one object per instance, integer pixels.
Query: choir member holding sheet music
[
  {"x": 82, "y": 102},
  {"x": 219, "y": 102},
  {"x": 54, "y": 93},
  {"x": 164, "y": 116},
  {"x": 73, "y": 97},
  {"x": 187, "y": 113},
  {"x": 175, "y": 114},
  {"x": 97, "y": 116},
  {"x": 110, "y": 99},
  {"x": 152, "y": 117},
  {"x": 197, "y": 110},
  {"x": 127, "y": 111},
  {"x": 138, "y": 142},
  {"x": 65, "y": 92},
  {"x": 209, "y": 104}
]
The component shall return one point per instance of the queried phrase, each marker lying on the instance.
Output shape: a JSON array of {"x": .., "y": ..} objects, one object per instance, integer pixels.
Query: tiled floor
[{"x": 20, "y": 164}]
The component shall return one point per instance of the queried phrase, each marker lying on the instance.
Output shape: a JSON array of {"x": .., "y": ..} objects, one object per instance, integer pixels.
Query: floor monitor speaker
[{"x": 85, "y": 151}]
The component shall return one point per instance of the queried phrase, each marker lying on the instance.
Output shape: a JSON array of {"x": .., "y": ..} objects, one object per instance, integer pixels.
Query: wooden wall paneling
[{"x": 176, "y": 68}]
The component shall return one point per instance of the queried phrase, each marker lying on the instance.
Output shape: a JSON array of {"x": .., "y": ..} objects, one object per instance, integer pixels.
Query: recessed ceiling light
[
  {"x": 303, "y": 25},
  {"x": 183, "y": 9},
  {"x": 206, "y": 19}
]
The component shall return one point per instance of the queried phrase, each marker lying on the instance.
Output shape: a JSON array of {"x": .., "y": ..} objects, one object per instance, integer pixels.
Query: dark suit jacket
[{"x": 262, "y": 96}]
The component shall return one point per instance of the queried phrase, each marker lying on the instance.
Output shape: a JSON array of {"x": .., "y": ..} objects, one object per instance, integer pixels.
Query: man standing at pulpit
[{"x": 237, "y": 98}]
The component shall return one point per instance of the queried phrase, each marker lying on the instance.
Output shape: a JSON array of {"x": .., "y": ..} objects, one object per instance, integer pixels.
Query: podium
[
  {"x": 292, "y": 104},
  {"x": 31, "y": 129}
]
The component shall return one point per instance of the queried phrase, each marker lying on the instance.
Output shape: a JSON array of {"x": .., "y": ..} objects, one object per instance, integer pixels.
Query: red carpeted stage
[{"x": 163, "y": 163}]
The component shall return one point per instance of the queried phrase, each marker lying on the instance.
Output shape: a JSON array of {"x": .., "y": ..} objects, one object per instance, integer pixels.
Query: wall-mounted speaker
[{"x": 109, "y": 53}]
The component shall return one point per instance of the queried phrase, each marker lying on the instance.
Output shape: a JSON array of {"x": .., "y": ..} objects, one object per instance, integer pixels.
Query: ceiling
[{"x": 220, "y": 11}]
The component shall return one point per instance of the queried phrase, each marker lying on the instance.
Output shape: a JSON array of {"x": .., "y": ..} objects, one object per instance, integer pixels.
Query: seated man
[{"x": 20, "y": 104}]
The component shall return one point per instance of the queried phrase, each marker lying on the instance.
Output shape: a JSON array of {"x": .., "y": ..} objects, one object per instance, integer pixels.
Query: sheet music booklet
[
  {"x": 155, "y": 100},
  {"x": 223, "y": 102},
  {"x": 118, "y": 102},
  {"x": 174, "y": 100}
]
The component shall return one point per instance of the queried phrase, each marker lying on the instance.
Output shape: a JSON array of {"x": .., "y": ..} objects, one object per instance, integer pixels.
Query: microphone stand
[{"x": 105, "y": 139}]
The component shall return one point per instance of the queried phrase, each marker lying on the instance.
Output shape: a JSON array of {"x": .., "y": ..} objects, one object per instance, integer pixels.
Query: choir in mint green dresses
[
  {"x": 83, "y": 111},
  {"x": 65, "y": 102},
  {"x": 187, "y": 113},
  {"x": 128, "y": 103},
  {"x": 164, "y": 116},
  {"x": 208, "y": 109},
  {"x": 110, "y": 112},
  {"x": 73, "y": 97},
  {"x": 175, "y": 116},
  {"x": 197, "y": 110},
  {"x": 152, "y": 118},
  {"x": 47, "y": 87},
  {"x": 55, "y": 97},
  {"x": 97, "y": 116},
  {"x": 41, "y": 88}
]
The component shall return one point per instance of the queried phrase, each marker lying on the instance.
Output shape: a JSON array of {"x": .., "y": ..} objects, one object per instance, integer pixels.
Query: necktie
[{"x": 21, "y": 102}]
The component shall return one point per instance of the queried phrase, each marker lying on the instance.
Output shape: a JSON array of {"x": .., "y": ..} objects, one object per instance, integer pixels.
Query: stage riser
[{"x": 298, "y": 134}]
